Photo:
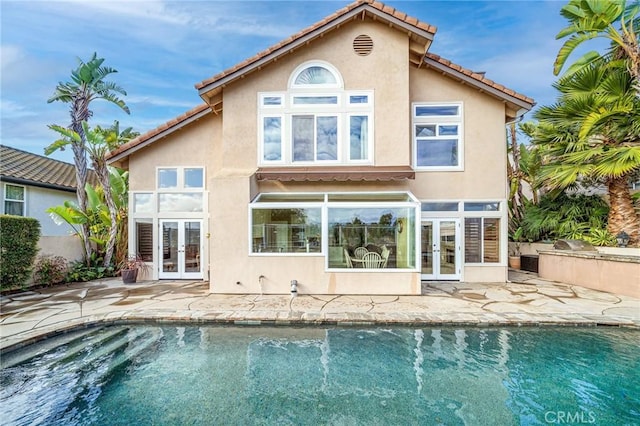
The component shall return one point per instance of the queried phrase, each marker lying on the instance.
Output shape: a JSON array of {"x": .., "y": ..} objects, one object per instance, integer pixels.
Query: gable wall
[
  {"x": 192, "y": 145},
  {"x": 385, "y": 71}
]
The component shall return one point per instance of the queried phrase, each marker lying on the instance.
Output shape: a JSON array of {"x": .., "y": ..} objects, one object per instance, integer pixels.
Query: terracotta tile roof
[
  {"x": 31, "y": 169},
  {"x": 335, "y": 173},
  {"x": 431, "y": 58},
  {"x": 284, "y": 44},
  {"x": 238, "y": 70},
  {"x": 162, "y": 130}
]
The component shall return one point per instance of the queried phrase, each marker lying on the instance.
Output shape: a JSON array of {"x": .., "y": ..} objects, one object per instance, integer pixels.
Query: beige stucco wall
[
  {"x": 193, "y": 145},
  {"x": 613, "y": 274},
  {"x": 233, "y": 188},
  {"x": 228, "y": 148},
  {"x": 68, "y": 246},
  {"x": 385, "y": 71},
  {"x": 484, "y": 175}
]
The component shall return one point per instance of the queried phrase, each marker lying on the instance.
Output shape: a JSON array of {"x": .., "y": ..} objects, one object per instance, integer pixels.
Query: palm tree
[
  {"x": 97, "y": 148},
  {"x": 87, "y": 84},
  {"x": 592, "y": 133},
  {"x": 589, "y": 19}
]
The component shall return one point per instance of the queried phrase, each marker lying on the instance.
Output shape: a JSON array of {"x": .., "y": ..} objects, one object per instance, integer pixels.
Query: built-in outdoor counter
[{"x": 614, "y": 273}]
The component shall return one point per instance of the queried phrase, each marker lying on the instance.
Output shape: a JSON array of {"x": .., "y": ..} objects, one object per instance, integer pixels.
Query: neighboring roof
[
  {"x": 159, "y": 132},
  {"x": 26, "y": 168},
  {"x": 420, "y": 33},
  {"x": 335, "y": 174}
]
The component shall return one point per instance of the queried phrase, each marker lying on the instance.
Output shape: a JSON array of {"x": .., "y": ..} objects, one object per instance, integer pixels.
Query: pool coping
[
  {"x": 529, "y": 302},
  {"x": 579, "y": 321}
]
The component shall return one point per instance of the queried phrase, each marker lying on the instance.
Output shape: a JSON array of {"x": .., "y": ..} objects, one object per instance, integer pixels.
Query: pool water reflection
[{"x": 141, "y": 374}]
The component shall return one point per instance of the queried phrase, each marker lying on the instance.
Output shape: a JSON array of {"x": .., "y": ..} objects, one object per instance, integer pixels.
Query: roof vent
[{"x": 363, "y": 45}]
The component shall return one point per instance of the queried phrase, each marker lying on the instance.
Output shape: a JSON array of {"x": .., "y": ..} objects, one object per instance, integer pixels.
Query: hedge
[{"x": 18, "y": 248}]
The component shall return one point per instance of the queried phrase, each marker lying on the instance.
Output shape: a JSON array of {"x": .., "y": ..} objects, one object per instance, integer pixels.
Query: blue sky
[{"x": 162, "y": 48}]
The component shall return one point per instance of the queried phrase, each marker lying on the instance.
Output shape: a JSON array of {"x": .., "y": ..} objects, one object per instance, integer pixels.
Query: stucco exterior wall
[
  {"x": 227, "y": 145},
  {"x": 233, "y": 269},
  {"x": 37, "y": 201},
  {"x": 485, "y": 156},
  {"x": 193, "y": 145},
  {"x": 385, "y": 71},
  {"x": 69, "y": 247},
  {"x": 610, "y": 273}
]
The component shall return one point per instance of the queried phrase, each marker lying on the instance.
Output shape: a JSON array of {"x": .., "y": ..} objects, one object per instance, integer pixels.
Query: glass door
[
  {"x": 180, "y": 249},
  {"x": 441, "y": 249}
]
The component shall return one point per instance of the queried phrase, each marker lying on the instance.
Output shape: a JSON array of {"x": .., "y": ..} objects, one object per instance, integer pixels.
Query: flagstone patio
[{"x": 526, "y": 300}]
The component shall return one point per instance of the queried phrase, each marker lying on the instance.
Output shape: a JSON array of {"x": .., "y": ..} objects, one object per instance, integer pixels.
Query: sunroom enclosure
[{"x": 352, "y": 231}]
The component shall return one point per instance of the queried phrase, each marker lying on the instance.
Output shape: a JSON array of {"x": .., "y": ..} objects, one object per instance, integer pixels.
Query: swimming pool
[{"x": 146, "y": 374}]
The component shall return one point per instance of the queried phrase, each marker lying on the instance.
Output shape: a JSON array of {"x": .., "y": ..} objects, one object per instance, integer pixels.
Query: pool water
[{"x": 216, "y": 375}]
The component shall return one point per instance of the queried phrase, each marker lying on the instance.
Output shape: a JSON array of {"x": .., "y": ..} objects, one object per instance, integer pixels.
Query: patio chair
[
  {"x": 348, "y": 258},
  {"x": 372, "y": 260},
  {"x": 359, "y": 252},
  {"x": 385, "y": 255}
]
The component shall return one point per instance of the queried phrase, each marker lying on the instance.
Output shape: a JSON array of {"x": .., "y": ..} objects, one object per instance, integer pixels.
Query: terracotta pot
[
  {"x": 129, "y": 276},
  {"x": 514, "y": 262}
]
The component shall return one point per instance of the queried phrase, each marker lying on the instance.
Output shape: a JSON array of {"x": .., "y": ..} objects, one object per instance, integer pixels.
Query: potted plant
[
  {"x": 130, "y": 267},
  {"x": 514, "y": 255}
]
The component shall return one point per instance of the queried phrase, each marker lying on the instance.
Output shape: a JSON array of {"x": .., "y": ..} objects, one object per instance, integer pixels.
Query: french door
[
  {"x": 180, "y": 249},
  {"x": 441, "y": 249}
]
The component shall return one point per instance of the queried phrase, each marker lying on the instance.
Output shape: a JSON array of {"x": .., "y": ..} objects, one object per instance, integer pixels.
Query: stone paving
[{"x": 526, "y": 300}]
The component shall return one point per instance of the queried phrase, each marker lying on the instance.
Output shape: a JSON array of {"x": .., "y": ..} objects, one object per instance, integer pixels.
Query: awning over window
[{"x": 335, "y": 174}]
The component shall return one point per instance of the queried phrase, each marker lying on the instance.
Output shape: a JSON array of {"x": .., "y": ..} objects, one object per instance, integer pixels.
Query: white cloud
[{"x": 10, "y": 109}]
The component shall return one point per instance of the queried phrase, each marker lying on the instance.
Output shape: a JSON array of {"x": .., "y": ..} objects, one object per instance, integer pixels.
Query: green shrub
[
  {"x": 79, "y": 271},
  {"x": 565, "y": 216},
  {"x": 18, "y": 248},
  {"x": 50, "y": 270}
]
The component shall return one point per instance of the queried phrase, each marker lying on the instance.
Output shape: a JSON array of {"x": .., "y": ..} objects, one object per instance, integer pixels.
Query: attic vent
[{"x": 363, "y": 45}]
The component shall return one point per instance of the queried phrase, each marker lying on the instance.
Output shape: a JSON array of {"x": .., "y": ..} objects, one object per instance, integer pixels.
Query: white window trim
[
  {"x": 283, "y": 153},
  {"x": 315, "y": 63},
  {"x": 343, "y": 110},
  {"x": 23, "y": 201},
  {"x": 325, "y": 205},
  {"x": 438, "y": 120},
  {"x": 284, "y": 205},
  {"x": 501, "y": 213},
  {"x": 180, "y": 179}
]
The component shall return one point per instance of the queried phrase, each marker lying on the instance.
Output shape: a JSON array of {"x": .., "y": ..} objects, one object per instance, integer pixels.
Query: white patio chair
[
  {"x": 359, "y": 252},
  {"x": 348, "y": 258},
  {"x": 385, "y": 255},
  {"x": 372, "y": 260}
]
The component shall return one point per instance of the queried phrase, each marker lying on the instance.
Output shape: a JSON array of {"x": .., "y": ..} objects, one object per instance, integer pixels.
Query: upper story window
[
  {"x": 316, "y": 121},
  {"x": 178, "y": 178},
  {"x": 437, "y": 136},
  {"x": 316, "y": 75},
  {"x": 14, "y": 199},
  {"x": 180, "y": 189}
]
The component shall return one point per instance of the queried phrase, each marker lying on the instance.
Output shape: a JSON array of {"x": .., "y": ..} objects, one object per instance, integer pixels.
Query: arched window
[
  {"x": 315, "y": 121},
  {"x": 315, "y": 75}
]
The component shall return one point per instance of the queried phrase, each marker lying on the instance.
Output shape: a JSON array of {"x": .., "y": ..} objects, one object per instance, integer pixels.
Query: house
[
  {"x": 346, "y": 139},
  {"x": 31, "y": 184}
]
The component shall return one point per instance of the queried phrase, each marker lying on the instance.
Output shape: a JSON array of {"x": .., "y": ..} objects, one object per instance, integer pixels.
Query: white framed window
[
  {"x": 318, "y": 74},
  {"x": 14, "y": 197},
  {"x": 438, "y": 136},
  {"x": 484, "y": 227},
  {"x": 180, "y": 178},
  {"x": 180, "y": 189},
  {"x": 482, "y": 240},
  {"x": 316, "y": 121},
  {"x": 338, "y": 226}
]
